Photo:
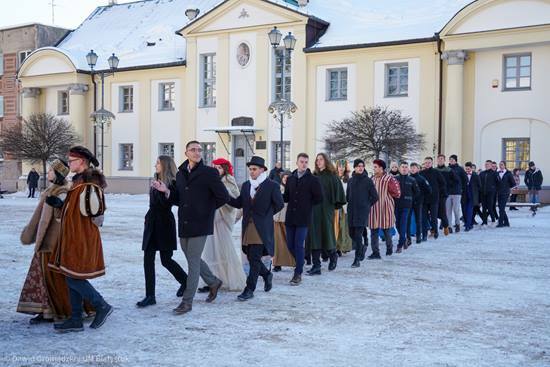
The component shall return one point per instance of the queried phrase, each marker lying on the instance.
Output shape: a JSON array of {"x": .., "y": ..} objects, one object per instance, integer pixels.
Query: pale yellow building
[{"x": 473, "y": 80}]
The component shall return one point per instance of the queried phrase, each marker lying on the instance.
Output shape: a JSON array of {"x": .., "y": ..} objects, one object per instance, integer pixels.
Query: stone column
[
  {"x": 454, "y": 102},
  {"x": 30, "y": 103},
  {"x": 78, "y": 117}
]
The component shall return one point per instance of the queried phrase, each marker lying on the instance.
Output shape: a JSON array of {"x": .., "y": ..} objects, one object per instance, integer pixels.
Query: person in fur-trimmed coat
[{"x": 79, "y": 255}]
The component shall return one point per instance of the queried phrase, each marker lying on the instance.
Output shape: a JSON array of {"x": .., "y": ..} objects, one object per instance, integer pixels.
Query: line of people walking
[{"x": 305, "y": 217}]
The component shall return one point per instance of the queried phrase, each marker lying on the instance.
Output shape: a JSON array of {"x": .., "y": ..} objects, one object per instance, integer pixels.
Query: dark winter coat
[
  {"x": 533, "y": 179},
  {"x": 32, "y": 179},
  {"x": 505, "y": 184},
  {"x": 488, "y": 182},
  {"x": 198, "y": 194},
  {"x": 275, "y": 174},
  {"x": 267, "y": 202},
  {"x": 409, "y": 191},
  {"x": 460, "y": 185},
  {"x": 360, "y": 195},
  {"x": 451, "y": 180},
  {"x": 301, "y": 194},
  {"x": 159, "y": 232},
  {"x": 425, "y": 190},
  {"x": 437, "y": 183},
  {"x": 473, "y": 189}
]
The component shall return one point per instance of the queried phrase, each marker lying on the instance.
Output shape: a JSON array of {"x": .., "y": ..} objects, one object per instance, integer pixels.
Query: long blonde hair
[{"x": 168, "y": 169}]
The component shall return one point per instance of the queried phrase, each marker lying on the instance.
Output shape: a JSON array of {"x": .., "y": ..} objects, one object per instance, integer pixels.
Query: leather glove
[{"x": 54, "y": 201}]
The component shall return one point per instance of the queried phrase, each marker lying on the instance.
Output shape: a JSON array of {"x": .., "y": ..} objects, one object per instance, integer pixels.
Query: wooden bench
[{"x": 532, "y": 206}]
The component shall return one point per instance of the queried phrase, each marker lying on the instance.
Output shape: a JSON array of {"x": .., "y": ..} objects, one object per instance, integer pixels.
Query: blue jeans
[
  {"x": 401, "y": 215},
  {"x": 295, "y": 240},
  {"x": 534, "y": 196},
  {"x": 80, "y": 289},
  {"x": 469, "y": 214}
]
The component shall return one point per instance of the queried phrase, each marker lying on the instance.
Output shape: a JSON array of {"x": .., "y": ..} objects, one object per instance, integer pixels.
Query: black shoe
[
  {"x": 374, "y": 256},
  {"x": 457, "y": 228},
  {"x": 70, "y": 325},
  {"x": 333, "y": 262},
  {"x": 245, "y": 295},
  {"x": 277, "y": 269},
  {"x": 39, "y": 319},
  {"x": 339, "y": 253},
  {"x": 436, "y": 235},
  {"x": 418, "y": 240},
  {"x": 147, "y": 301},
  {"x": 389, "y": 251},
  {"x": 296, "y": 280},
  {"x": 424, "y": 238},
  {"x": 180, "y": 291},
  {"x": 315, "y": 270},
  {"x": 398, "y": 251},
  {"x": 408, "y": 243},
  {"x": 500, "y": 225},
  {"x": 101, "y": 315},
  {"x": 356, "y": 263},
  {"x": 204, "y": 289},
  {"x": 268, "y": 282}
]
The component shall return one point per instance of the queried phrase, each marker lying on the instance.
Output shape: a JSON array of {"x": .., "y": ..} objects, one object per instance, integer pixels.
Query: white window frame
[
  {"x": 341, "y": 91},
  {"x": 517, "y": 77},
  {"x": 20, "y": 60},
  {"x": 122, "y": 160},
  {"x": 277, "y": 56},
  {"x": 517, "y": 153},
  {"x": 171, "y": 150},
  {"x": 63, "y": 110},
  {"x": 207, "y": 78},
  {"x": 123, "y": 105},
  {"x": 165, "y": 87},
  {"x": 399, "y": 66}
]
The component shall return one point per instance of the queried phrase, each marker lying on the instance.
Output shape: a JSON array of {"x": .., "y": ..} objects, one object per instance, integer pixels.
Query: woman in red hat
[{"x": 219, "y": 251}]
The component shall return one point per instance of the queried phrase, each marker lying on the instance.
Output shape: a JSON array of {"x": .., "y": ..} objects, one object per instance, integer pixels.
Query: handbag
[{"x": 92, "y": 201}]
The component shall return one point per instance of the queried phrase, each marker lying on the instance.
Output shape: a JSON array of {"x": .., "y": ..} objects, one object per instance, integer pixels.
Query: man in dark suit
[
  {"x": 505, "y": 182},
  {"x": 198, "y": 193},
  {"x": 260, "y": 199},
  {"x": 470, "y": 198},
  {"x": 488, "y": 191},
  {"x": 32, "y": 182}
]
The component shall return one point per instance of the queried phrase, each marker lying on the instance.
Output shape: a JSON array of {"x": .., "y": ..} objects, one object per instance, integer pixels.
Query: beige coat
[{"x": 45, "y": 224}]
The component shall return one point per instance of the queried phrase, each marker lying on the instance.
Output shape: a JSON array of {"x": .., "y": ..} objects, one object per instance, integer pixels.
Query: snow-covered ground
[{"x": 471, "y": 299}]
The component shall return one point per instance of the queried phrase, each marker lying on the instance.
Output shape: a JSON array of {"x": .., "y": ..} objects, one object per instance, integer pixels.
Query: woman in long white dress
[{"x": 220, "y": 252}]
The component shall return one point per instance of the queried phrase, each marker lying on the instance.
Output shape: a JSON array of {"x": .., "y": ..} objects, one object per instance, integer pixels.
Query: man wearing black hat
[
  {"x": 260, "y": 199},
  {"x": 360, "y": 195}
]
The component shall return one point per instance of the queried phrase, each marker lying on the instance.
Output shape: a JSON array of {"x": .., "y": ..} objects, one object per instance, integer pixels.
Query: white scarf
[{"x": 255, "y": 183}]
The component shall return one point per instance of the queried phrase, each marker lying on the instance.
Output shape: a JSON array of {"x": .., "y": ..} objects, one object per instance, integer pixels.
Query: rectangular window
[
  {"x": 1, "y": 106},
  {"x": 166, "y": 149},
  {"x": 397, "y": 80},
  {"x": 208, "y": 80},
  {"x": 516, "y": 153},
  {"x": 276, "y": 156},
  {"x": 167, "y": 97},
  {"x": 63, "y": 102},
  {"x": 126, "y": 160},
  {"x": 282, "y": 60},
  {"x": 208, "y": 153},
  {"x": 337, "y": 84},
  {"x": 517, "y": 72},
  {"x": 126, "y": 99},
  {"x": 22, "y": 56}
]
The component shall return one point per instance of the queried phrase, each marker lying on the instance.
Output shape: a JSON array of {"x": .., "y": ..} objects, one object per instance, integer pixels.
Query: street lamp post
[
  {"x": 282, "y": 107},
  {"x": 102, "y": 116}
]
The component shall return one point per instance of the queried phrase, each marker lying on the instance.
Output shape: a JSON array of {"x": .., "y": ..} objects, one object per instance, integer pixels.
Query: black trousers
[
  {"x": 254, "y": 255},
  {"x": 418, "y": 212},
  {"x": 166, "y": 260},
  {"x": 502, "y": 216},
  {"x": 317, "y": 254},
  {"x": 31, "y": 191},
  {"x": 442, "y": 211},
  {"x": 488, "y": 205},
  {"x": 430, "y": 213},
  {"x": 356, "y": 234}
]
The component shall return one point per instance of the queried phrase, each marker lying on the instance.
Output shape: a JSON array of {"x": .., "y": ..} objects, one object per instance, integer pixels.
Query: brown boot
[
  {"x": 213, "y": 292},
  {"x": 446, "y": 231},
  {"x": 296, "y": 280},
  {"x": 183, "y": 308}
]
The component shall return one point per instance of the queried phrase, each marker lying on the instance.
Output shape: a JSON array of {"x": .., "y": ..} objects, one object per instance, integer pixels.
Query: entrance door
[{"x": 241, "y": 154}]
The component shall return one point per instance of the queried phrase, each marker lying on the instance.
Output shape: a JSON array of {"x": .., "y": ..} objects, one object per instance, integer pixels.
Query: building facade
[
  {"x": 16, "y": 44},
  {"x": 474, "y": 85}
]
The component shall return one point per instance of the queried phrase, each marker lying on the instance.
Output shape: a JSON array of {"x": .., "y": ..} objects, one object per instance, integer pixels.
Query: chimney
[
  {"x": 192, "y": 13},
  {"x": 112, "y": 2},
  {"x": 302, "y": 3}
]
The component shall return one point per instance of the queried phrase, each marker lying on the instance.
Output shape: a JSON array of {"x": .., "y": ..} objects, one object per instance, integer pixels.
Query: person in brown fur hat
[{"x": 79, "y": 254}]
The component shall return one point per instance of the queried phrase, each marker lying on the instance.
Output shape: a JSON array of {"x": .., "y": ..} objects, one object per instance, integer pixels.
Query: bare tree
[
  {"x": 41, "y": 138},
  {"x": 373, "y": 133}
]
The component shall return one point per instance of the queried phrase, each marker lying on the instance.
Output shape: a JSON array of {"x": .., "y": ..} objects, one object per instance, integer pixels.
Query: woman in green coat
[{"x": 321, "y": 236}]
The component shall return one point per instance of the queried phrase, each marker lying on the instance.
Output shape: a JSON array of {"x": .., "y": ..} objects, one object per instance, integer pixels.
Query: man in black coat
[
  {"x": 439, "y": 190},
  {"x": 275, "y": 173},
  {"x": 533, "y": 180},
  {"x": 450, "y": 181},
  {"x": 470, "y": 198},
  {"x": 454, "y": 202},
  {"x": 424, "y": 194},
  {"x": 260, "y": 199},
  {"x": 488, "y": 179},
  {"x": 302, "y": 191},
  {"x": 199, "y": 192},
  {"x": 32, "y": 182},
  {"x": 505, "y": 183},
  {"x": 404, "y": 204},
  {"x": 360, "y": 195}
]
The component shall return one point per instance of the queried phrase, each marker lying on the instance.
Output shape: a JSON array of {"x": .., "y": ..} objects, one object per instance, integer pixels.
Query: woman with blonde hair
[
  {"x": 220, "y": 252},
  {"x": 343, "y": 239},
  {"x": 159, "y": 233}
]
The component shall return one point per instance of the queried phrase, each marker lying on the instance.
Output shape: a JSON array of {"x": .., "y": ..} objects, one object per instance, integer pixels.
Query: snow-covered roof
[{"x": 143, "y": 33}]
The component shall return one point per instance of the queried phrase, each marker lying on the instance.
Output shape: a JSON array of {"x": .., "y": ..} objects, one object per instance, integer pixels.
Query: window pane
[
  {"x": 511, "y": 72},
  {"x": 525, "y": 60},
  {"x": 392, "y": 71},
  {"x": 524, "y": 82},
  {"x": 511, "y": 61},
  {"x": 525, "y": 71},
  {"x": 511, "y": 83}
]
